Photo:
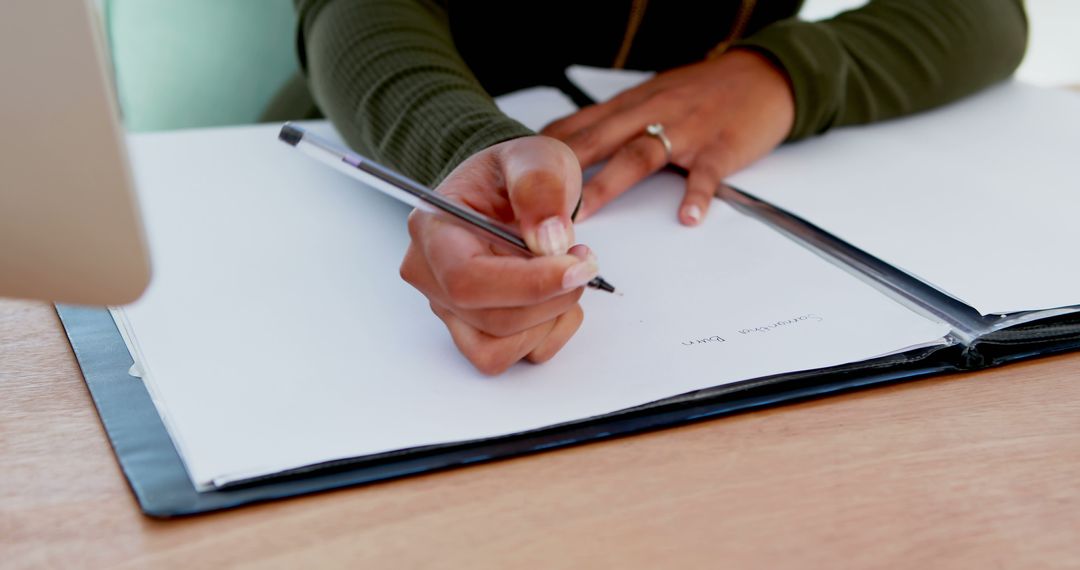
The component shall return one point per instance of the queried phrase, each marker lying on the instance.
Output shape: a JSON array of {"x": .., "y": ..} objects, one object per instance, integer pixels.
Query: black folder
[{"x": 158, "y": 478}]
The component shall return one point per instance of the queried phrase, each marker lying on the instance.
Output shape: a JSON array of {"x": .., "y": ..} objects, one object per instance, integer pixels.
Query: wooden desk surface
[{"x": 965, "y": 471}]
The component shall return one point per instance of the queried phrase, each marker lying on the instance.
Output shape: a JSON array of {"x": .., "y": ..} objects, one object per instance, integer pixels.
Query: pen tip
[{"x": 602, "y": 285}]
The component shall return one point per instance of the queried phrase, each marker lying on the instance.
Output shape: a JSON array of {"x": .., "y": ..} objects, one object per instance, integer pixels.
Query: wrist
[{"x": 775, "y": 85}]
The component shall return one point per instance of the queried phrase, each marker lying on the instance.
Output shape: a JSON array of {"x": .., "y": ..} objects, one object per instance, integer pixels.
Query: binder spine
[{"x": 966, "y": 323}]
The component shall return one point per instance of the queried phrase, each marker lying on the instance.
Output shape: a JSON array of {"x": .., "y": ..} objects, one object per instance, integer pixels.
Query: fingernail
[
  {"x": 579, "y": 274},
  {"x": 551, "y": 237},
  {"x": 692, "y": 213},
  {"x": 584, "y": 253}
]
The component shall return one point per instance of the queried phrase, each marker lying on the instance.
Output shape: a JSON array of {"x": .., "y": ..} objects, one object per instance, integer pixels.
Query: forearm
[
  {"x": 387, "y": 75},
  {"x": 893, "y": 57}
]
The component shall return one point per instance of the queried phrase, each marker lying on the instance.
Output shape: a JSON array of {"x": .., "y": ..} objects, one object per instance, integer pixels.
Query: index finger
[
  {"x": 565, "y": 127},
  {"x": 568, "y": 125}
]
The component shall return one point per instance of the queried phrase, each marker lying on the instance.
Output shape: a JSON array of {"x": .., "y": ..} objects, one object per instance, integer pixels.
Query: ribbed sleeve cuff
[
  {"x": 499, "y": 129},
  {"x": 811, "y": 56}
]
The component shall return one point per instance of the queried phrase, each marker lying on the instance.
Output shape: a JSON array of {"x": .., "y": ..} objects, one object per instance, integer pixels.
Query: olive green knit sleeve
[
  {"x": 387, "y": 74},
  {"x": 893, "y": 57}
]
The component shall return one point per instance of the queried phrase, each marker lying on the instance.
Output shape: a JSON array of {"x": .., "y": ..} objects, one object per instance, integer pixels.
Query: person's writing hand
[
  {"x": 720, "y": 115},
  {"x": 499, "y": 306}
]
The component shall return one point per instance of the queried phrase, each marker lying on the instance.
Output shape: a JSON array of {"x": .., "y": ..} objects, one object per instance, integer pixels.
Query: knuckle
[
  {"x": 415, "y": 222},
  {"x": 577, "y": 316},
  {"x": 687, "y": 150},
  {"x": 408, "y": 269},
  {"x": 631, "y": 98},
  {"x": 460, "y": 288},
  {"x": 542, "y": 355},
  {"x": 406, "y": 272},
  {"x": 681, "y": 95},
  {"x": 585, "y": 139},
  {"x": 714, "y": 161},
  {"x": 572, "y": 320},
  {"x": 540, "y": 288},
  {"x": 636, "y": 152},
  {"x": 538, "y": 181},
  {"x": 723, "y": 145},
  {"x": 641, "y": 155},
  {"x": 702, "y": 175},
  {"x": 442, "y": 314},
  {"x": 700, "y": 191},
  {"x": 659, "y": 99},
  {"x": 497, "y": 323},
  {"x": 600, "y": 191},
  {"x": 488, "y": 359},
  {"x": 624, "y": 97},
  {"x": 684, "y": 159}
]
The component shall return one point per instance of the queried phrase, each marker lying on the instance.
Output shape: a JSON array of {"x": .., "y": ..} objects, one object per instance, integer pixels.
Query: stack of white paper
[
  {"x": 980, "y": 199},
  {"x": 276, "y": 332}
]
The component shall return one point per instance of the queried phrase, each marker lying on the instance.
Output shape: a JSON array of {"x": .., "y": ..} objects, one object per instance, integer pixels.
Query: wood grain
[{"x": 964, "y": 471}]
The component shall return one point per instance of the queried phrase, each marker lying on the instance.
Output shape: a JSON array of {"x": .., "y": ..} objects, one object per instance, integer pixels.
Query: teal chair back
[{"x": 198, "y": 63}]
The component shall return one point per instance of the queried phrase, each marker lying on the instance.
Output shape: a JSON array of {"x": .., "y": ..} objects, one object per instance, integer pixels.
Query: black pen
[{"x": 406, "y": 190}]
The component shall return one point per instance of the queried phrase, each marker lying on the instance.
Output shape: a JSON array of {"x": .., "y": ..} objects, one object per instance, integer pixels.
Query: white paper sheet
[
  {"x": 980, "y": 198},
  {"x": 603, "y": 84},
  {"x": 536, "y": 107},
  {"x": 276, "y": 332}
]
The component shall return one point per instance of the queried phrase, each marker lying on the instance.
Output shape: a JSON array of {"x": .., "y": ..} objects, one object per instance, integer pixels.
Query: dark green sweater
[{"x": 410, "y": 82}]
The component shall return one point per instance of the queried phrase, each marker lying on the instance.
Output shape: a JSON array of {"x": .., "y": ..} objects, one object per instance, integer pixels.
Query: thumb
[{"x": 543, "y": 182}]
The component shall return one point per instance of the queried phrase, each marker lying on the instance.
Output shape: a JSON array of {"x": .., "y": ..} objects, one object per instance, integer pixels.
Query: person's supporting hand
[
  {"x": 501, "y": 307},
  {"x": 720, "y": 115}
]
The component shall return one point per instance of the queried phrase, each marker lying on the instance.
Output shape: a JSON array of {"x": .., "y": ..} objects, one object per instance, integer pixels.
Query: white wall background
[{"x": 1053, "y": 54}]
